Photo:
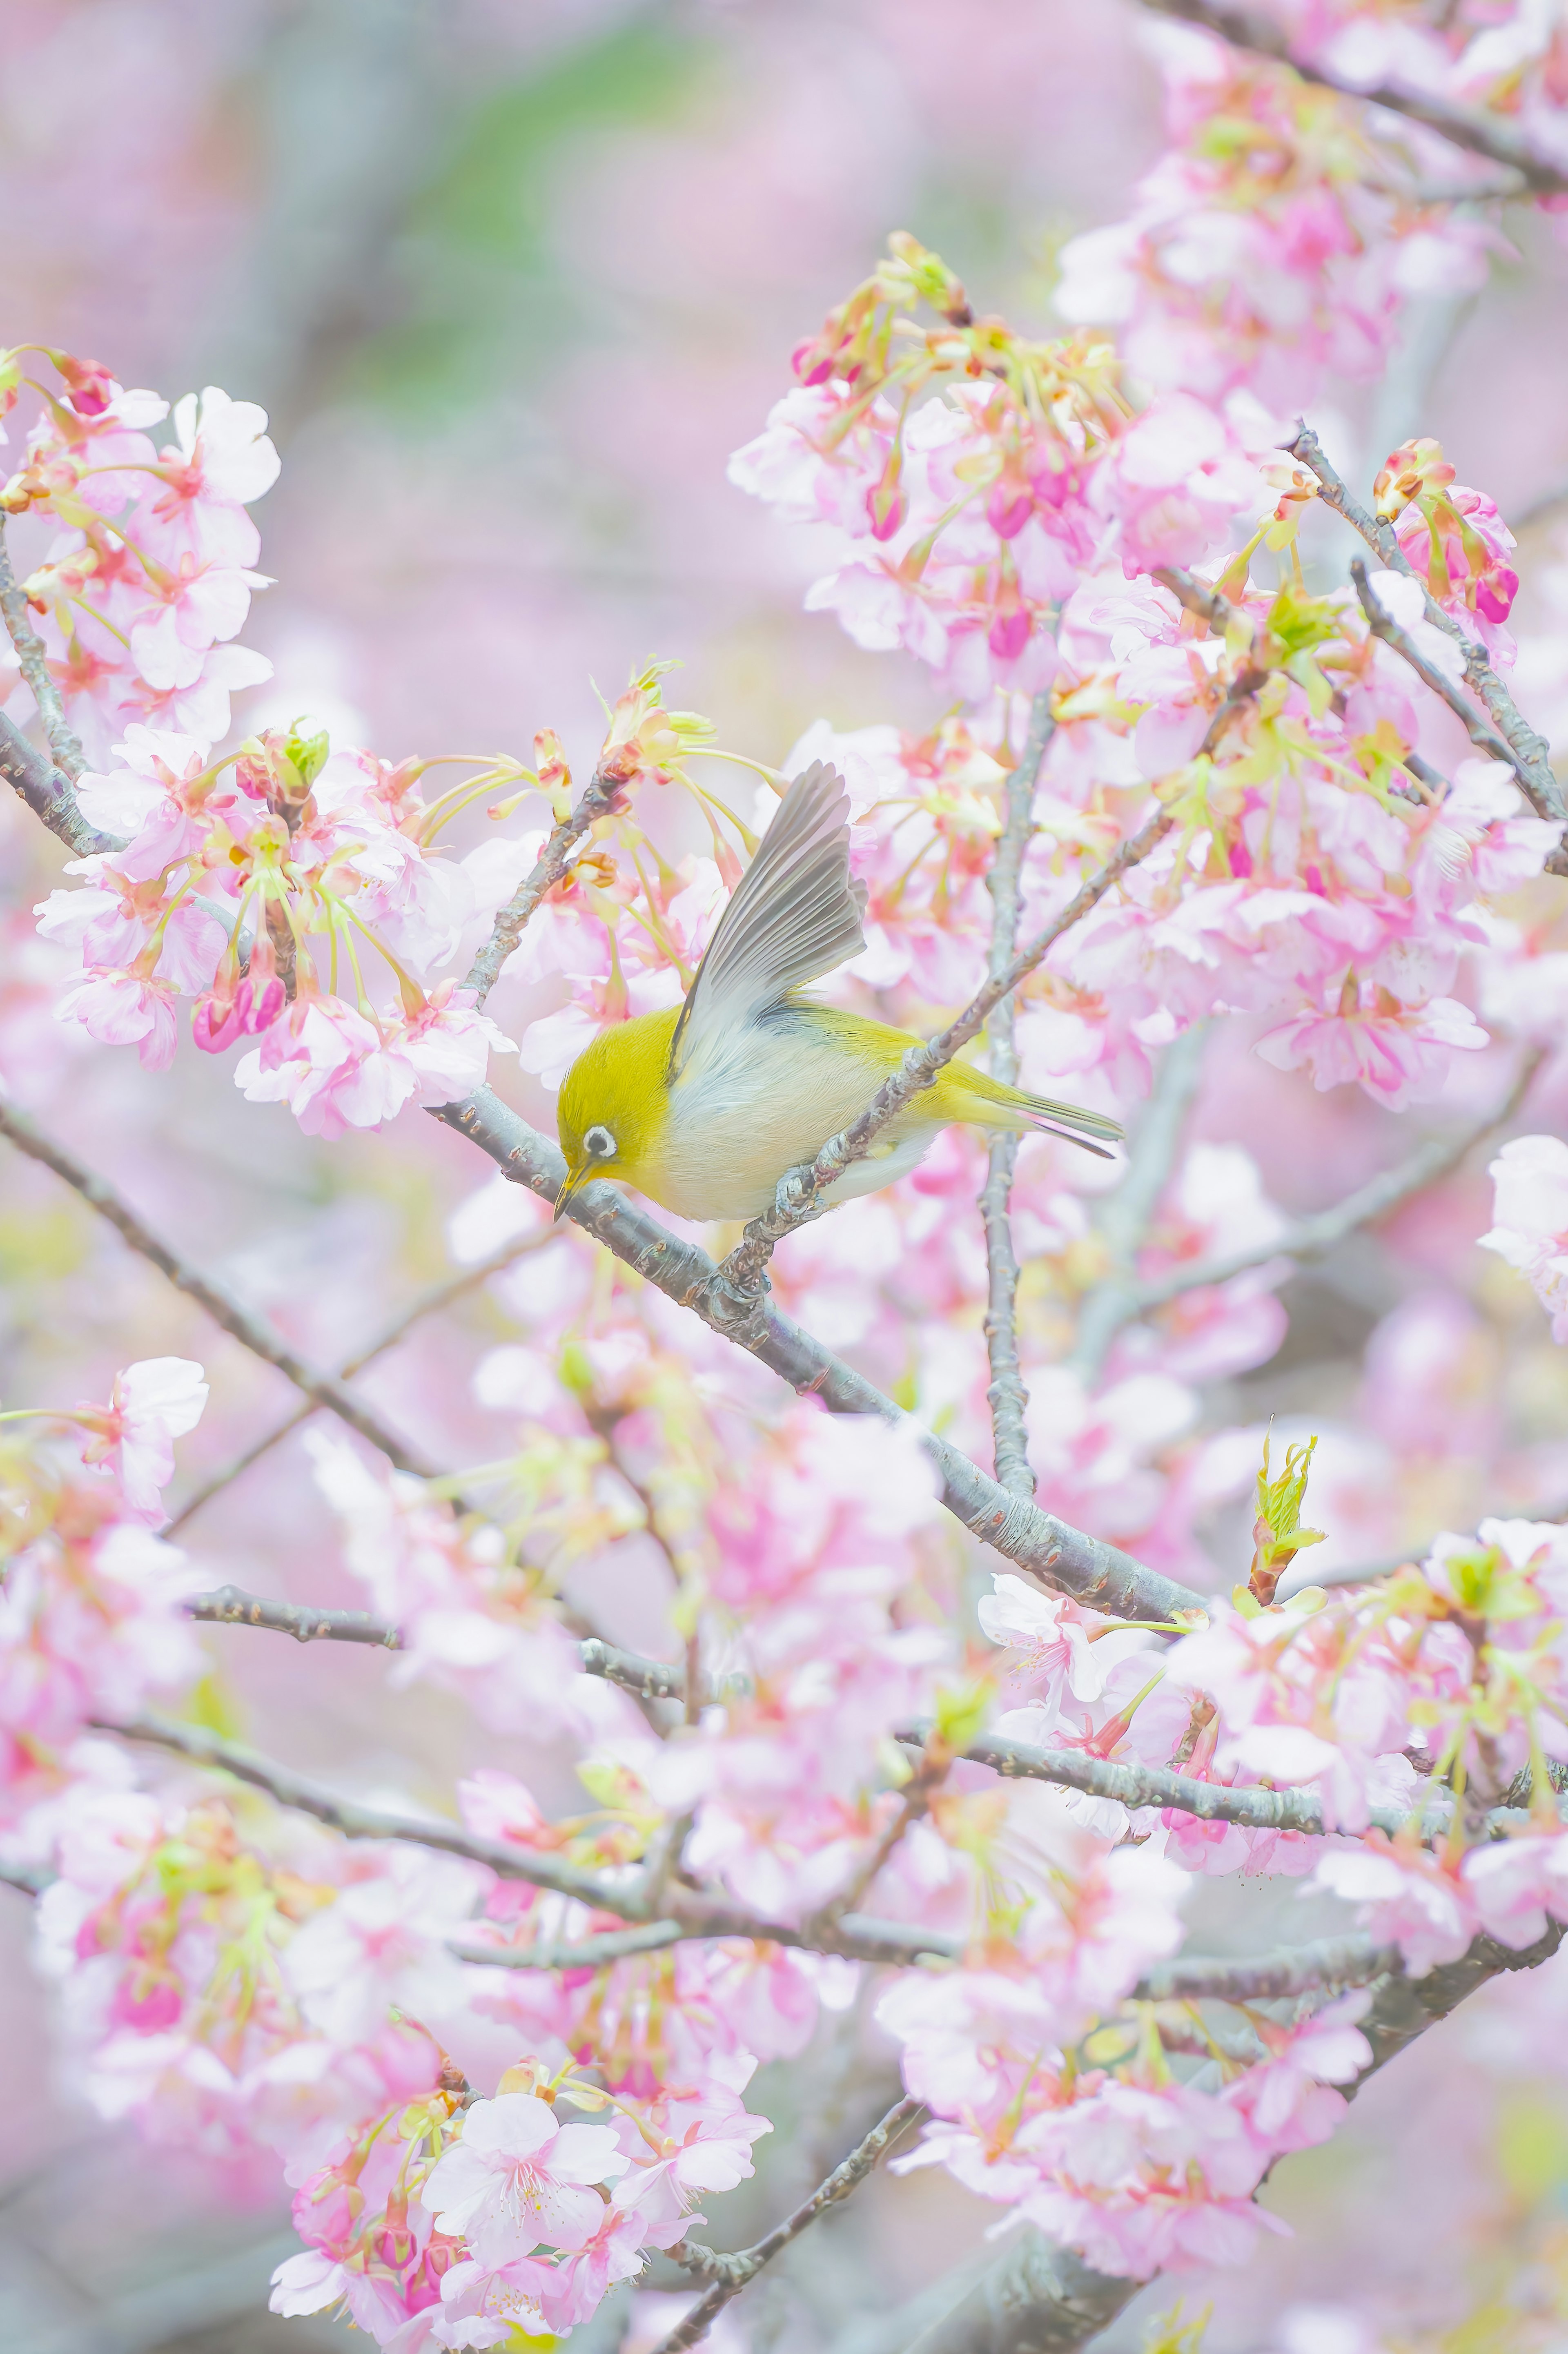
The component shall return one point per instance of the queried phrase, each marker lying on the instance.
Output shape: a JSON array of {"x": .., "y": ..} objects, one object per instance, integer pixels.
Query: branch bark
[
  {"x": 1527, "y": 752},
  {"x": 63, "y": 741},
  {"x": 1006, "y": 1395},
  {"x": 1311, "y": 1237},
  {"x": 230, "y": 1606},
  {"x": 1479, "y": 133},
  {"x": 1047, "y": 1548},
  {"x": 599, "y": 797},
  {"x": 250, "y": 1331},
  {"x": 735, "y": 2271},
  {"x": 427, "y": 1303},
  {"x": 48, "y": 793}
]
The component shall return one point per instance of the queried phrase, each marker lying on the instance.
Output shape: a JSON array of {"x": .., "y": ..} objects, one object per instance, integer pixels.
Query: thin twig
[
  {"x": 48, "y": 793},
  {"x": 1528, "y": 753},
  {"x": 599, "y": 797},
  {"x": 63, "y": 741},
  {"x": 1006, "y": 1395},
  {"x": 747, "y": 2263},
  {"x": 426, "y": 1303},
  {"x": 1480, "y": 134},
  {"x": 1311, "y": 1237},
  {"x": 1047, "y": 1548},
  {"x": 252, "y": 1332}
]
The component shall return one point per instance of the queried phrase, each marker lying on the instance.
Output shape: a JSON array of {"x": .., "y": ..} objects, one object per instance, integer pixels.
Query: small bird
[{"x": 702, "y": 1107}]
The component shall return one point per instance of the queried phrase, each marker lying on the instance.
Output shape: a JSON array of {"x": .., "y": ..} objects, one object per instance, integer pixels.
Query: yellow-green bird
[{"x": 704, "y": 1105}]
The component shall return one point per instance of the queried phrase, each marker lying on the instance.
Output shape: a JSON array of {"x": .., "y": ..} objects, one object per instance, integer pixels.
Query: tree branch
[
  {"x": 599, "y": 797},
  {"x": 252, "y": 1332},
  {"x": 1006, "y": 1395},
  {"x": 230, "y": 1606},
  {"x": 48, "y": 793},
  {"x": 1094, "y": 1573},
  {"x": 1382, "y": 623},
  {"x": 700, "y": 1915},
  {"x": 587, "y": 1954},
  {"x": 1325, "y": 1962},
  {"x": 735, "y": 2271},
  {"x": 359, "y": 1822},
  {"x": 1527, "y": 752},
  {"x": 1311, "y": 1237},
  {"x": 426, "y": 1303},
  {"x": 63, "y": 741},
  {"x": 1480, "y": 134}
]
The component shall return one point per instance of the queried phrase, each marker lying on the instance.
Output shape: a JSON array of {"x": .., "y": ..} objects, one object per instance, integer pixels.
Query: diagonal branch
[
  {"x": 599, "y": 797},
  {"x": 1323, "y": 1963},
  {"x": 628, "y": 1894},
  {"x": 735, "y": 2271},
  {"x": 1382, "y": 623},
  {"x": 252, "y": 1332},
  {"x": 1478, "y": 131},
  {"x": 1006, "y": 1395},
  {"x": 1528, "y": 753},
  {"x": 1311, "y": 1237},
  {"x": 1037, "y": 1542},
  {"x": 426, "y": 1303},
  {"x": 63, "y": 741}
]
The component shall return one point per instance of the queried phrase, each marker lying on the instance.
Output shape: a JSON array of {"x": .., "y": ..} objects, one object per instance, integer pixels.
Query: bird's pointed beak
[{"x": 576, "y": 1180}]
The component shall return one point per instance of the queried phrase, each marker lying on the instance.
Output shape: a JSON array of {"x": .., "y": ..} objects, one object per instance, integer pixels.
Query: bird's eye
[{"x": 599, "y": 1144}]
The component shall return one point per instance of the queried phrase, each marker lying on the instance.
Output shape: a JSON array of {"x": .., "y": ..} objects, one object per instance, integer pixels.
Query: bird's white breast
[{"x": 761, "y": 1101}]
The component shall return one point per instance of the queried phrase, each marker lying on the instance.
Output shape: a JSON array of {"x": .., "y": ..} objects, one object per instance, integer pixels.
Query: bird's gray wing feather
[{"x": 795, "y": 915}]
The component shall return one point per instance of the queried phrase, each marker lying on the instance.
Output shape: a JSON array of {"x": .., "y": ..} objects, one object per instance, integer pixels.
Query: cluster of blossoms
[{"x": 1276, "y": 242}]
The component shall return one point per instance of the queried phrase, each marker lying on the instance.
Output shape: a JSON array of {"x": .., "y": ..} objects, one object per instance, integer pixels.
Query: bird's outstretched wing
[{"x": 795, "y": 915}]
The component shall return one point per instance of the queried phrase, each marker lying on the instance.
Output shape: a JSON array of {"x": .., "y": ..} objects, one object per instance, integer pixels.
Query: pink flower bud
[
  {"x": 1008, "y": 633},
  {"x": 1495, "y": 592},
  {"x": 885, "y": 502},
  {"x": 216, "y": 1023},
  {"x": 1008, "y": 507},
  {"x": 810, "y": 363}
]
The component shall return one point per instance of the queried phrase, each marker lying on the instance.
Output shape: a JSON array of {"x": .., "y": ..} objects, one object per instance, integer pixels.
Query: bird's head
[{"x": 612, "y": 1102}]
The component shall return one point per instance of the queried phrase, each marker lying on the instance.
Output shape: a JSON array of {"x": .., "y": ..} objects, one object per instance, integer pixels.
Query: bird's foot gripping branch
[{"x": 1205, "y": 793}]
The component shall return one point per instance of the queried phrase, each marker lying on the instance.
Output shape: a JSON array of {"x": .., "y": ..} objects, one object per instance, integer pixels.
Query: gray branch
[
  {"x": 1311, "y": 1237},
  {"x": 600, "y": 796},
  {"x": 48, "y": 793},
  {"x": 1480, "y": 134},
  {"x": 252, "y": 1332},
  {"x": 426, "y": 1303},
  {"x": 735, "y": 2271},
  {"x": 1006, "y": 1395},
  {"x": 230, "y": 1606},
  {"x": 63, "y": 741},
  {"x": 1094, "y": 1573},
  {"x": 1526, "y": 753}
]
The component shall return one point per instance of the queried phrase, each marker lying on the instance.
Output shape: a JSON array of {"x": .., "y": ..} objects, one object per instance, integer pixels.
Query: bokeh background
[{"x": 513, "y": 278}]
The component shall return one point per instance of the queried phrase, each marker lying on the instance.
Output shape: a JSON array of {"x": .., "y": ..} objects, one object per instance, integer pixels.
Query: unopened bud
[{"x": 307, "y": 748}]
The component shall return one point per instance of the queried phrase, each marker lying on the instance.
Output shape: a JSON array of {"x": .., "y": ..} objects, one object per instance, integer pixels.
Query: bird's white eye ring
[{"x": 599, "y": 1144}]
